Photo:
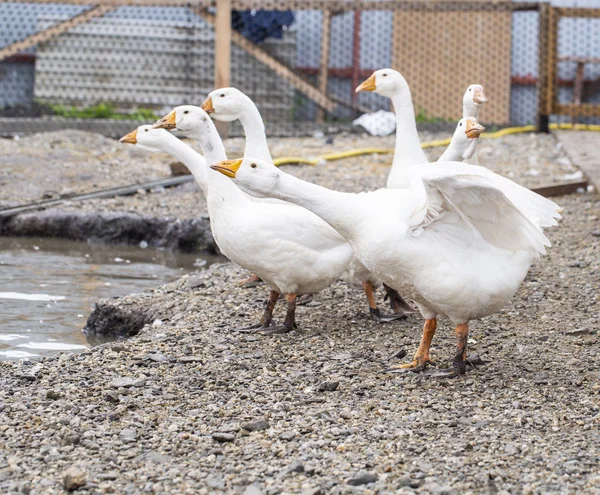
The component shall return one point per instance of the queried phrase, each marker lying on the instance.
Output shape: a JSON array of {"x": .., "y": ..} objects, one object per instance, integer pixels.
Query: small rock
[
  {"x": 73, "y": 478},
  {"x": 52, "y": 395},
  {"x": 328, "y": 386},
  {"x": 287, "y": 436},
  {"x": 294, "y": 467},
  {"x": 108, "y": 476},
  {"x": 112, "y": 397},
  {"x": 403, "y": 482},
  {"x": 579, "y": 331},
  {"x": 345, "y": 414},
  {"x": 259, "y": 425},
  {"x": 157, "y": 357},
  {"x": 362, "y": 479},
  {"x": 128, "y": 435},
  {"x": 122, "y": 382},
  {"x": 253, "y": 489},
  {"x": 214, "y": 481},
  {"x": 223, "y": 437}
]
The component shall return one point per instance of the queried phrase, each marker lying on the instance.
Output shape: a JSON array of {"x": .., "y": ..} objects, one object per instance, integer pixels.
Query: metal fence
[{"x": 100, "y": 67}]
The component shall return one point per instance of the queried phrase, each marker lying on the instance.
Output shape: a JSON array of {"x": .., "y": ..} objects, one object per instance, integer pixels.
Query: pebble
[
  {"x": 328, "y": 386},
  {"x": 255, "y": 425},
  {"x": 362, "y": 478},
  {"x": 73, "y": 479},
  {"x": 223, "y": 437}
]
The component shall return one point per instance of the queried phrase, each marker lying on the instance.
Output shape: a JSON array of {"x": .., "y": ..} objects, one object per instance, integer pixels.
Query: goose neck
[
  {"x": 189, "y": 157},
  {"x": 342, "y": 211},
  {"x": 256, "y": 137},
  {"x": 408, "y": 151}
]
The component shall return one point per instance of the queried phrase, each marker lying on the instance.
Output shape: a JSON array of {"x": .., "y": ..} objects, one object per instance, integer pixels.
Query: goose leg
[
  {"x": 422, "y": 358},
  {"x": 374, "y": 310},
  {"x": 397, "y": 302},
  {"x": 252, "y": 281},
  {"x": 267, "y": 318},
  {"x": 459, "y": 363},
  {"x": 289, "y": 323}
]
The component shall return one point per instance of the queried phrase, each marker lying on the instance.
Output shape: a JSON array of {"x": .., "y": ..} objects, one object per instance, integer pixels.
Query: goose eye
[
  {"x": 145, "y": 130},
  {"x": 460, "y": 124},
  {"x": 470, "y": 89},
  {"x": 186, "y": 112},
  {"x": 384, "y": 75},
  {"x": 222, "y": 95},
  {"x": 253, "y": 165}
]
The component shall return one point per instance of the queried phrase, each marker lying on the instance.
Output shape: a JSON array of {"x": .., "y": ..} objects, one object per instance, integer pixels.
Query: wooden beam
[
  {"x": 53, "y": 31},
  {"x": 333, "y": 5},
  {"x": 324, "y": 65},
  {"x": 222, "y": 25},
  {"x": 278, "y": 67},
  {"x": 578, "y": 12},
  {"x": 581, "y": 110},
  {"x": 560, "y": 189},
  {"x": 552, "y": 61}
]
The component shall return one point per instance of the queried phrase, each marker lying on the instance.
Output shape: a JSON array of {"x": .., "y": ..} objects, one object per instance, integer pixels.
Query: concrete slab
[{"x": 583, "y": 149}]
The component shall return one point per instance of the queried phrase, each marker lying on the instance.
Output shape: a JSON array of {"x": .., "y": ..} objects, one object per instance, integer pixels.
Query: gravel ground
[
  {"x": 188, "y": 406},
  {"x": 47, "y": 165}
]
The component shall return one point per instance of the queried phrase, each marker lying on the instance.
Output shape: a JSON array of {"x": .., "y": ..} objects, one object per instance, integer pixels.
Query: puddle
[{"x": 48, "y": 288}]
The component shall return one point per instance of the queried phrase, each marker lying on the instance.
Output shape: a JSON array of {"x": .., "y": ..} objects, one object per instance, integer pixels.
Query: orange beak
[
  {"x": 167, "y": 122},
  {"x": 207, "y": 106},
  {"x": 368, "y": 85},
  {"x": 130, "y": 138},
  {"x": 479, "y": 96},
  {"x": 474, "y": 129},
  {"x": 228, "y": 167}
]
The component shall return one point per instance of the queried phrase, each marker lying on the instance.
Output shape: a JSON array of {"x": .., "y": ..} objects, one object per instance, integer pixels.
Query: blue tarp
[{"x": 259, "y": 25}]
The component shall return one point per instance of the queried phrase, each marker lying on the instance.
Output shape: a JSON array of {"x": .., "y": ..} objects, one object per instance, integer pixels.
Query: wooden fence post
[
  {"x": 542, "y": 116},
  {"x": 223, "y": 53},
  {"x": 324, "y": 66}
]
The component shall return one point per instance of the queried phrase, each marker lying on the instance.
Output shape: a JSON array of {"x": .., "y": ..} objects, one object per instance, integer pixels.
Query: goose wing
[{"x": 480, "y": 203}]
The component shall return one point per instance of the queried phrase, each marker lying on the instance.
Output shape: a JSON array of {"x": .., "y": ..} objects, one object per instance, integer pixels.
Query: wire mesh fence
[{"x": 100, "y": 67}]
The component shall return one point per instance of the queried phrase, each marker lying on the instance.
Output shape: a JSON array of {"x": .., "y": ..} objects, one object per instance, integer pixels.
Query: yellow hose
[{"x": 430, "y": 144}]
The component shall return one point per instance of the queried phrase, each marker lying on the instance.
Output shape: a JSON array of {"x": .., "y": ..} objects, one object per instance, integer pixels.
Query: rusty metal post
[{"x": 542, "y": 123}]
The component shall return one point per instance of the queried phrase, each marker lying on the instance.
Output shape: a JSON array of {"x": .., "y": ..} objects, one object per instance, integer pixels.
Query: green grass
[
  {"x": 422, "y": 118},
  {"x": 103, "y": 111}
]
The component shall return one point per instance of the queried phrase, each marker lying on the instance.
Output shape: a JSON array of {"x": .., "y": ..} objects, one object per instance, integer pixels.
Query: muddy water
[{"x": 48, "y": 288}]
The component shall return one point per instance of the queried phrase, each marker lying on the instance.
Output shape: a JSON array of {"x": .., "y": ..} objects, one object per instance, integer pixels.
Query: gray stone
[
  {"x": 362, "y": 478},
  {"x": 258, "y": 425},
  {"x": 73, "y": 478},
  {"x": 223, "y": 437},
  {"x": 328, "y": 386}
]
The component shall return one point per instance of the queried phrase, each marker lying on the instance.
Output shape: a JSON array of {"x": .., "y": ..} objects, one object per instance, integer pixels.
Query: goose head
[
  {"x": 226, "y": 104},
  {"x": 385, "y": 82},
  {"x": 468, "y": 128},
  {"x": 252, "y": 175},
  {"x": 188, "y": 119},
  {"x": 474, "y": 95},
  {"x": 465, "y": 137},
  {"x": 147, "y": 138}
]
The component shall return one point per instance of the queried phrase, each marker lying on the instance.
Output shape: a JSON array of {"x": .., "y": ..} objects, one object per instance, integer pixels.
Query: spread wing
[{"x": 480, "y": 204}]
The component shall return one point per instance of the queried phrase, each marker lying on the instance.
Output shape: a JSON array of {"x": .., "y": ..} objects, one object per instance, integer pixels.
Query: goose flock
[{"x": 453, "y": 238}]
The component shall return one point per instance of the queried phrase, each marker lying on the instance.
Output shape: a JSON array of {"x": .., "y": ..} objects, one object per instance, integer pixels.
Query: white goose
[
  {"x": 452, "y": 240},
  {"x": 155, "y": 140},
  {"x": 408, "y": 150},
  {"x": 464, "y": 141},
  {"x": 473, "y": 98},
  {"x": 290, "y": 248},
  {"x": 230, "y": 104}
]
